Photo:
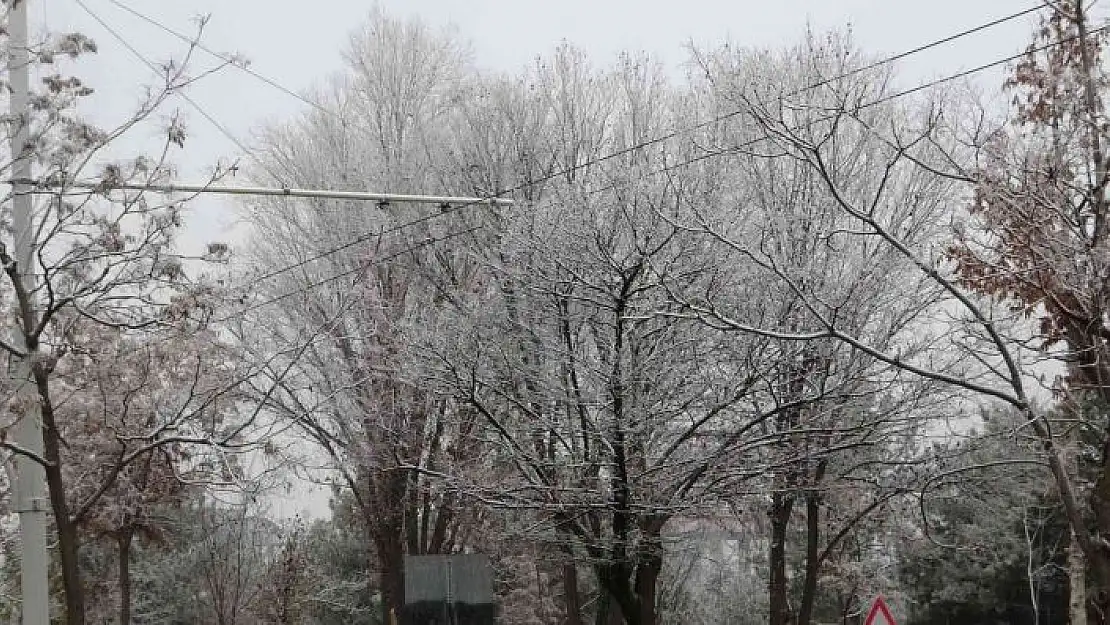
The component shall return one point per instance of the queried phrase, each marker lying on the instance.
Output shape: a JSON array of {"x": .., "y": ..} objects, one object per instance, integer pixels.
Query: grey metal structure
[{"x": 448, "y": 590}]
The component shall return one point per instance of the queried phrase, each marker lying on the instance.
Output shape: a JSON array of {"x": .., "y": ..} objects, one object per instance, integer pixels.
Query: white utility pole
[{"x": 30, "y": 485}]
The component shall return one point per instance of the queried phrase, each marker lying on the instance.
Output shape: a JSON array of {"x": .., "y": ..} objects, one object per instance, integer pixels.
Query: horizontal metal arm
[{"x": 273, "y": 191}]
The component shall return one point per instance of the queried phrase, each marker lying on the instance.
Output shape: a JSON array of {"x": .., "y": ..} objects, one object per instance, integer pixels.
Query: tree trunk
[
  {"x": 647, "y": 579},
  {"x": 1098, "y": 596},
  {"x": 781, "y": 506},
  {"x": 813, "y": 538},
  {"x": 384, "y": 516},
  {"x": 391, "y": 574},
  {"x": 608, "y": 610},
  {"x": 572, "y": 602},
  {"x": 613, "y": 614},
  {"x": 1077, "y": 585},
  {"x": 68, "y": 540},
  {"x": 621, "y": 605},
  {"x": 1097, "y": 554},
  {"x": 1090, "y": 370},
  {"x": 601, "y": 615},
  {"x": 124, "y": 539}
]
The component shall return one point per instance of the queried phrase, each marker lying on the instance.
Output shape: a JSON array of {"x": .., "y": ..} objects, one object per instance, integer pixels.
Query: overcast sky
[{"x": 298, "y": 44}]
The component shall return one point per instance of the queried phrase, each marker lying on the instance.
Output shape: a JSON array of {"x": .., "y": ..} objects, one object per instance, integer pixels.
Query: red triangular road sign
[{"x": 879, "y": 613}]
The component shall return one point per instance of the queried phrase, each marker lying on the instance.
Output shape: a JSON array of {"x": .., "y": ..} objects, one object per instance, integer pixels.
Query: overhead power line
[
  {"x": 356, "y": 271},
  {"x": 933, "y": 44},
  {"x": 888, "y": 98},
  {"x": 456, "y": 207},
  {"x": 734, "y": 149},
  {"x": 316, "y": 105},
  {"x": 686, "y": 130},
  {"x": 154, "y": 68},
  {"x": 332, "y": 278},
  {"x": 238, "y": 63}
]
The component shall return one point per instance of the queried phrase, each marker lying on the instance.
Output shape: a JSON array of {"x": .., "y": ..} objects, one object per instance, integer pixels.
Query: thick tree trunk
[
  {"x": 621, "y": 605},
  {"x": 613, "y": 615},
  {"x": 572, "y": 602},
  {"x": 384, "y": 515},
  {"x": 781, "y": 506},
  {"x": 124, "y": 540},
  {"x": 1091, "y": 371},
  {"x": 391, "y": 574},
  {"x": 813, "y": 538},
  {"x": 1097, "y": 552},
  {"x": 1077, "y": 585},
  {"x": 1098, "y": 592},
  {"x": 68, "y": 540},
  {"x": 415, "y": 523},
  {"x": 603, "y": 615},
  {"x": 647, "y": 580}
]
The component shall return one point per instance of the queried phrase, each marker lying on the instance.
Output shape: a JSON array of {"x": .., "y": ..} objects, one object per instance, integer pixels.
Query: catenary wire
[
  {"x": 928, "y": 85},
  {"x": 316, "y": 105},
  {"x": 713, "y": 154},
  {"x": 318, "y": 283},
  {"x": 639, "y": 146},
  {"x": 678, "y": 132},
  {"x": 322, "y": 281},
  {"x": 224, "y": 57},
  {"x": 154, "y": 68}
]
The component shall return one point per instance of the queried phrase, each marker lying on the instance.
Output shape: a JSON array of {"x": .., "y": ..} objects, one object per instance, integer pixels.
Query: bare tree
[
  {"x": 844, "y": 419},
  {"x": 617, "y": 414},
  {"x": 117, "y": 390},
  {"x": 233, "y": 549},
  {"x": 104, "y": 260},
  {"x": 361, "y": 288},
  {"x": 1032, "y": 219}
]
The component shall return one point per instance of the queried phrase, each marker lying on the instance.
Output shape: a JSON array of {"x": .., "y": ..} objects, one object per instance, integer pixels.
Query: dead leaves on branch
[{"x": 1033, "y": 236}]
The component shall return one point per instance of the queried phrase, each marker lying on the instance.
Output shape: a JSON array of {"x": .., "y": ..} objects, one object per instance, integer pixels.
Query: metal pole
[
  {"x": 271, "y": 191},
  {"x": 30, "y": 483}
]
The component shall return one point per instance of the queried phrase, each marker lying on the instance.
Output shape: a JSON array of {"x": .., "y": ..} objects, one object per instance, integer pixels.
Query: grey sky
[{"x": 298, "y": 44}]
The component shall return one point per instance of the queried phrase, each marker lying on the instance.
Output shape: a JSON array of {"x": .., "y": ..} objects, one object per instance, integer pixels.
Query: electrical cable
[
  {"x": 639, "y": 146},
  {"x": 226, "y": 58},
  {"x": 318, "y": 283},
  {"x": 882, "y": 100},
  {"x": 154, "y": 68},
  {"x": 321, "y": 282},
  {"x": 276, "y": 85},
  {"x": 649, "y": 142},
  {"x": 733, "y": 149}
]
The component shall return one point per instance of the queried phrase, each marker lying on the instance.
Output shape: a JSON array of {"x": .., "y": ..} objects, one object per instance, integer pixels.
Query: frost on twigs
[
  {"x": 74, "y": 44},
  {"x": 126, "y": 401},
  {"x": 175, "y": 133},
  {"x": 217, "y": 252},
  {"x": 193, "y": 306},
  {"x": 20, "y": 404}
]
